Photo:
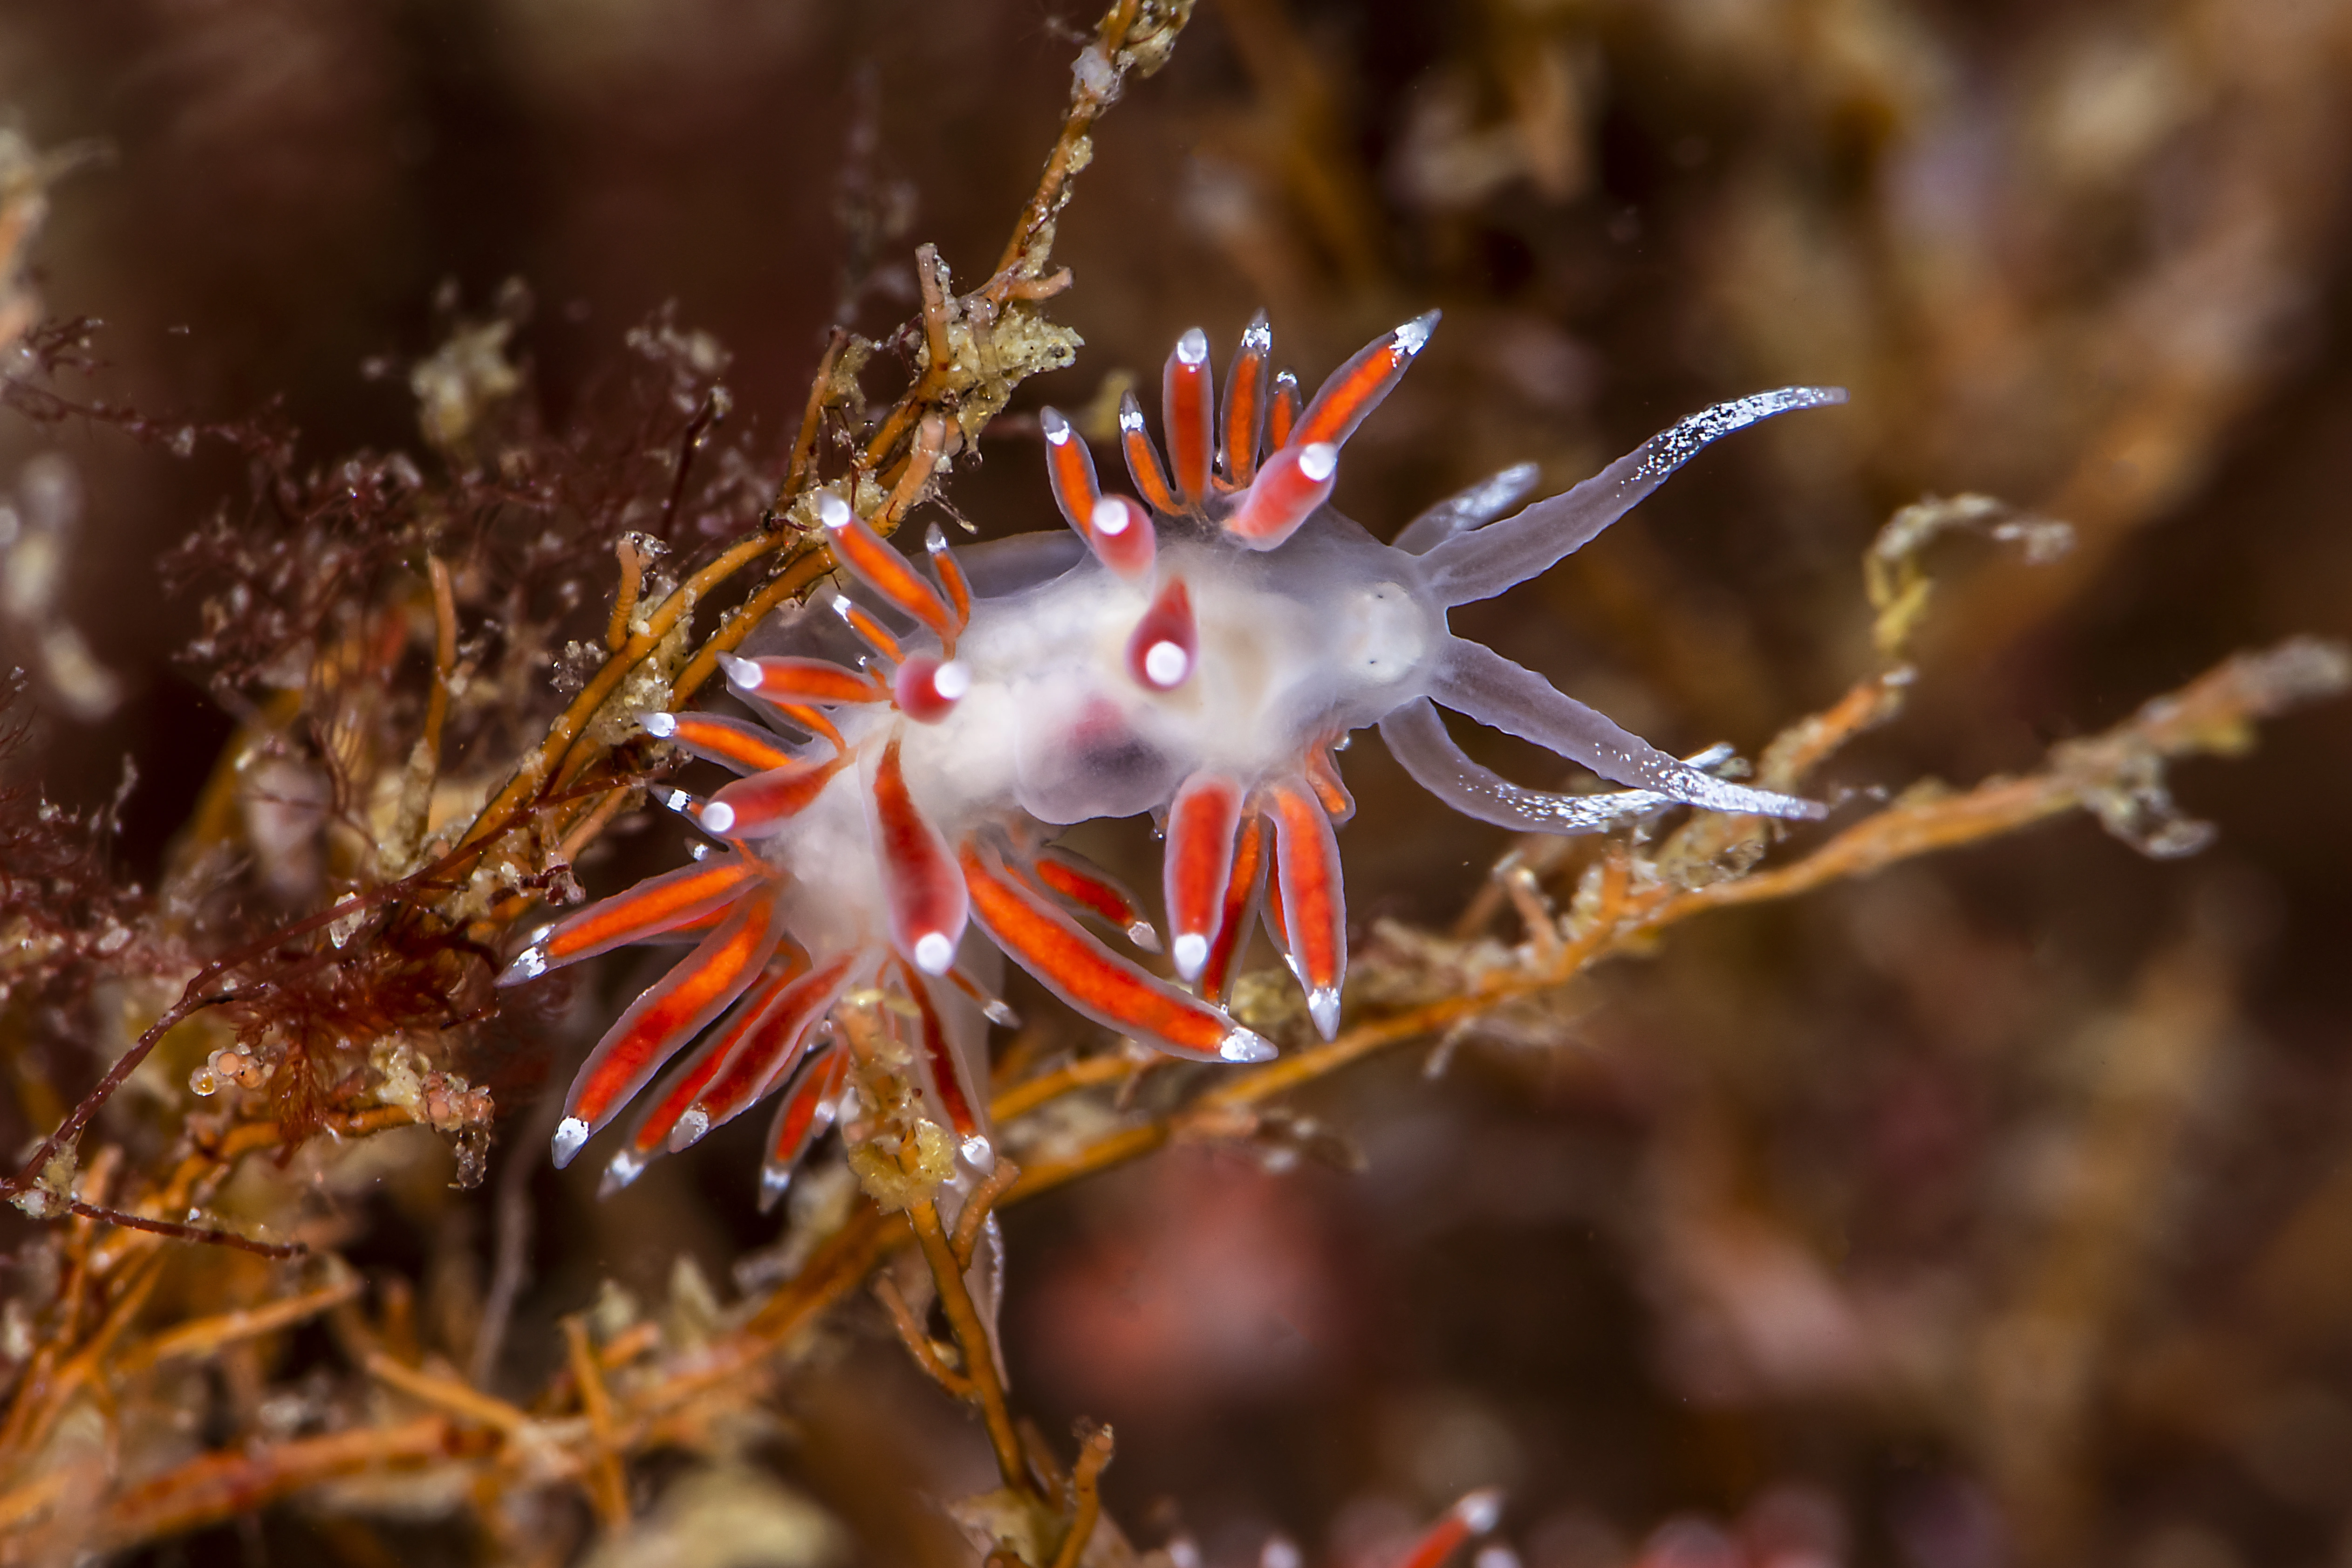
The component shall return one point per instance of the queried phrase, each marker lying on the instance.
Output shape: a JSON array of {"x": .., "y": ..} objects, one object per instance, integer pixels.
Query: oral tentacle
[
  {"x": 1202, "y": 823},
  {"x": 1416, "y": 737},
  {"x": 653, "y": 908},
  {"x": 1244, "y": 418},
  {"x": 1143, "y": 465},
  {"x": 1313, "y": 901},
  {"x": 1294, "y": 483},
  {"x": 671, "y": 1011},
  {"x": 1481, "y": 684},
  {"x": 1473, "y": 566},
  {"x": 801, "y": 1117},
  {"x": 767, "y": 1052},
  {"x": 745, "y": 748},
  {"x": 1165, "y": 646},
  {"x": 870, "y": 560},
  {"x": 1069, "y": 962},
  {"x": 1081, "y": 883},
  {"x": 1476, "y": 506},
  {"x": 1187, "y": 414},
  {"x": 1360, "y": 385}
]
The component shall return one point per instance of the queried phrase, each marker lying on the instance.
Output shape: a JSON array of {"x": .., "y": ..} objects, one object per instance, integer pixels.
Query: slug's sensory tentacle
[
  {"x": 1199, "y": 863},
  {"x": 1166, "y": 643},
  {"x": 1071, "y": 963},
  {"x": 672, "y": 1011},
  {"x": 1085, "y": 885},
  {"x": 1416, "y": 737},
  {"x": 1143, "y": 458},
  {"x": 1473, "y": 566},
  {"x": 649, "y": 1135},
  {"x": 731, "y": 743},
  {"x": 927, "y": 907},
  {"x": 1245, "y": 422},
  {"x": 1476, "y": 681},
  {"x": 1479, "y": 505},
  {"x": 1186, "y": 411},
  {"x": 655, "y": 906},
  {"x": 873, "y": 562},
  {"x": 1358, "y": 387},
  {"x": 1313, "y": 903},
  {"x": 805, "y": 1112}
]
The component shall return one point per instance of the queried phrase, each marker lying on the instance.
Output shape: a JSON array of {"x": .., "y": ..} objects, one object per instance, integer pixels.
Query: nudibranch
[{"x": 1196, "y": 654}]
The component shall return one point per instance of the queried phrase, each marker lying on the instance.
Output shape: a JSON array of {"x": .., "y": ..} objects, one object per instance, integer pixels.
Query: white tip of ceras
[
  {"x": 1056, "y": 428},
  {"x": 1318, "y": 461},
  {"x": 742, "y": 672},
  {"x": 688, "y": 1129},
  {"x": 626, "y": 1167},
  {"x": 951, "y": 680},
  {"x": 833, "y": 512},
  {"x": 1323, "y": 1006},
  {"x": 1192, "y": 348},
  {"x": 1279, "y": 1553},
  {"x": 934, "y": 953},
  {"x": 978, "y": 1153},
  {"x": 717, "y": 816},
  {"x": 661, "y": 725},
  {"x": 1258, "y": 336},
  {"x": 569, "y": 1134},
  {"x": 773, "y": 1181},
  {"x": 1166, "y": 664},
  {"x": 1142, "y": 933},
  {"x": 1130, "y": 414},
  {"x": 1481, "y": 1510},
  {"x": 528, "y": 965},
  {"x": 1414, "y": 336},
  {"x": 1495, "y": 1555},
  {"x": 1191, "y": 952},
  {"x": 1111, "y": 517},
  {"x": 1245, "y": 1046}
]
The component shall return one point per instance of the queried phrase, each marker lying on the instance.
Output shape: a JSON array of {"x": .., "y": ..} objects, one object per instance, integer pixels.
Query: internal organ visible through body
[{"x": 1196, "y": 655}]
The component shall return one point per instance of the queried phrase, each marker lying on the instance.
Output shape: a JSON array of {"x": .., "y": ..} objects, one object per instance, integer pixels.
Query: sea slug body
[{"x": 1196, "y": 654}]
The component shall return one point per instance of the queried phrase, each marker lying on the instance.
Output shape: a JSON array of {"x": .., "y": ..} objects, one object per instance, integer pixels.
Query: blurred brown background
[{"x": 1997, "y": 1210}]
